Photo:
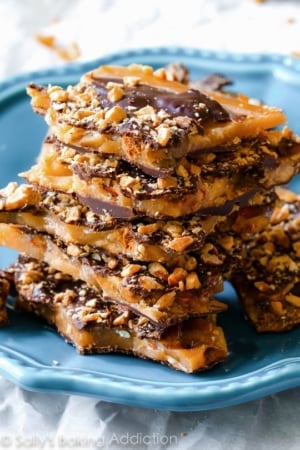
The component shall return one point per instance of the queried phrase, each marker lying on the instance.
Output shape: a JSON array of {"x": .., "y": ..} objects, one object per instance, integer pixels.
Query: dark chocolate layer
[{"x": 192, "y": 103}]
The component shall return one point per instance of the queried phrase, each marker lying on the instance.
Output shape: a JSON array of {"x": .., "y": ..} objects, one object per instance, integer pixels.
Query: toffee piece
[
  {"x": 163, "y": 293},
  {"x": 138, "y": 115},
  {"x": 268, "y": 283},
  {"x": 94, "y": 326},
  {"x": 210, "y": 182},
  {"x": 64, "y": 217}
]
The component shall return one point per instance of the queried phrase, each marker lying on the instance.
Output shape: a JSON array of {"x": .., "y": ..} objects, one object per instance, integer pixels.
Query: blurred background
[{"x": 42, "y": 33}]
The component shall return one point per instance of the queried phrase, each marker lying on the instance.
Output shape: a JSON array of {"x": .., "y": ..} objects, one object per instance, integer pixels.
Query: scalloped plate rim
[
  {"x": 127, "y": 392},
  {"x": 241, "y": 60}
]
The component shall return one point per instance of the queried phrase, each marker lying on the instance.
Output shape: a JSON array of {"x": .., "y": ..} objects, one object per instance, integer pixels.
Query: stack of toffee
[{"x": 138, "y": 208}]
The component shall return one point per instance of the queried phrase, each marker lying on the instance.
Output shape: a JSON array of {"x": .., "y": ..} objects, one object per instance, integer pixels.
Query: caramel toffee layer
[
  {"x": 36, "y": 282},
  {"x": 64, "y": 217},
  {"x": 142, "y": 117},
  {"x": 163, "y": 293},
  {"x": 216, "y": 240},
  {"x": 204, "y": 186},
  {"x": 247, "y": 157},
  {"x": 268, "y": 283},
  {"x": 92, "y": 326}
]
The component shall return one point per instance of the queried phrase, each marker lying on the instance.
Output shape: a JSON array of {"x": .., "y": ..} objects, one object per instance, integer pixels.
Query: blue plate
[{"x": 35, "y": 357}]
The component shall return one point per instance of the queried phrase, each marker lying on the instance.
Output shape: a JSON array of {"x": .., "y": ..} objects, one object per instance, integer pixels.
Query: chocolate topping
[
  {"x": 118, "y": 212},
  {"x": 49, "y": 285},
  {"x": 191, "y": 103},
  {"x": 213, "y": 82},
  {"x": 151, "y": 171},
  {"x": 100, "y": 207}
]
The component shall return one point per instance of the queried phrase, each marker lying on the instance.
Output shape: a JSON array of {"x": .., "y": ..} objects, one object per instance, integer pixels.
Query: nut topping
[
  {"x": 116, "y": 114},
  {"x": 149, "y": 283},
  {"x": 192, "y": 281},
  {"x": 130, "y": 270},
  {"x": 293, "y": 299},
  {"x": 180, "y": 244},
  {"x": 176, "y": 276},
  {"x": 166, "y": 300},
  {"x": 115, "y": 93},
  {"x": 159, "y": 271}
]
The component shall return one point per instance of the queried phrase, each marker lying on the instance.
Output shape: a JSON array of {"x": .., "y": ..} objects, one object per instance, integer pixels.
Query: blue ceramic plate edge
[
  {"x": 265, "y": 62},
  {"x": 164, "y": 396}
]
